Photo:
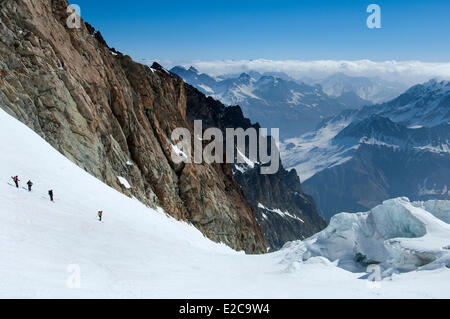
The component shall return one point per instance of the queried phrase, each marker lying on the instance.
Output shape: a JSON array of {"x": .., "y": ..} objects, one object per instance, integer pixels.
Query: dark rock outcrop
[{"x": 284, "y": 212}]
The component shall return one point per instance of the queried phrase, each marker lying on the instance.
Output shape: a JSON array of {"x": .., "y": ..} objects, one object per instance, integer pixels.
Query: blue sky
[{"x": 299, "y": 29}]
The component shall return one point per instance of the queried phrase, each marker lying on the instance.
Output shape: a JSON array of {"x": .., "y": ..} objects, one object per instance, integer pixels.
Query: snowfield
[{"x": 61, "y": 250}]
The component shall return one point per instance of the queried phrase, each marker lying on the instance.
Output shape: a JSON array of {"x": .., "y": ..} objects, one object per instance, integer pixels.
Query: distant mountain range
[
  {"x": 274, "y": 99},
  {"x": 375, "y": 90},
  {"x": 356, "y": 159}
]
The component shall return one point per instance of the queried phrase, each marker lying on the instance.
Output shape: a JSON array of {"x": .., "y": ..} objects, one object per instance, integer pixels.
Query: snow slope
[{"x": 140, "y": 252}]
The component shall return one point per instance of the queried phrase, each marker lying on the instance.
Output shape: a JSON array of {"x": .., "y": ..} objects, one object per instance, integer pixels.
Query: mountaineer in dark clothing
[
  {"x": 16, "y": 180},
  {"x": 50, "y": 193},
  {"x": 30, "y": 184},
  {"x": 100, "y": 214}
]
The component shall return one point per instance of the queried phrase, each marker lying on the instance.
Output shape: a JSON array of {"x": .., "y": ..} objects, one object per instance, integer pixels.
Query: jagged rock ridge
[{"x": 284, "y": 212}]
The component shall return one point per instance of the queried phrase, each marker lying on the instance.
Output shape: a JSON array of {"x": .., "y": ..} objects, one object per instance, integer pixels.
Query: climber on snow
[
  {"x": 16, "y": 180},
  {"x": 50, "y": 193},
  {"x": 100, "y": 214},
  {"x": 30, "y": 184}
]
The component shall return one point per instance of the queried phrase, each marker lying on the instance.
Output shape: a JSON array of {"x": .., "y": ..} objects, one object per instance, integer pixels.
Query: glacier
[
  {"x": 398, "y": 236},
  {"x": 141, "y": 252}
]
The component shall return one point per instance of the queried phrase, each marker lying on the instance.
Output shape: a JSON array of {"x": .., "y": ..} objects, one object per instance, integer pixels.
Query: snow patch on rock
[
  {"x": 279, "y": 212},
  {"x": 124, "y": 182}
]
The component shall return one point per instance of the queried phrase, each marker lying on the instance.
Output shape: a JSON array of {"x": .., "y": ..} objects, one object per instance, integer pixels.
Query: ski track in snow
[{"x": 138, "y": 252}]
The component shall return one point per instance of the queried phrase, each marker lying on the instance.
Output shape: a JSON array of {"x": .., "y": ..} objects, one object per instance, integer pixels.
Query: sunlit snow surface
[{"x": 138, "y": 252}]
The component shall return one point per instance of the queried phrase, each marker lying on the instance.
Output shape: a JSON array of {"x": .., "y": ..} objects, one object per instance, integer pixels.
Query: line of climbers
[{"x": 16, "y": 181}]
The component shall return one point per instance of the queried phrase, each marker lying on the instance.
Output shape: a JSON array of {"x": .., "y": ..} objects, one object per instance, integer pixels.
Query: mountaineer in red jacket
[{"x": 16, "y": 180}]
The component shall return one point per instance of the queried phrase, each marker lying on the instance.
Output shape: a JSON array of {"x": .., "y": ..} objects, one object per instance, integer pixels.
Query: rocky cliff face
[
  {"x": 283, "y": 211},
  {"x": 114, "y": 117}
]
